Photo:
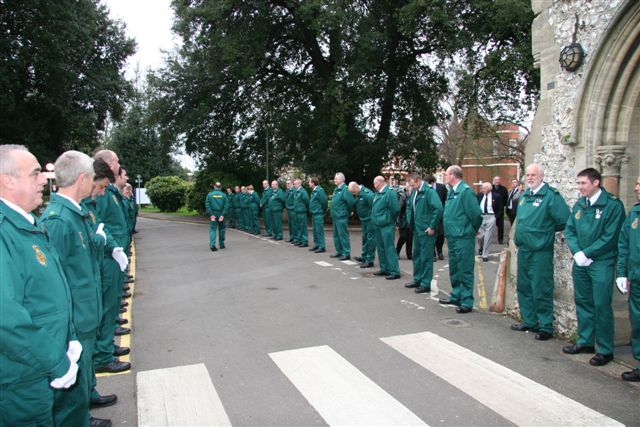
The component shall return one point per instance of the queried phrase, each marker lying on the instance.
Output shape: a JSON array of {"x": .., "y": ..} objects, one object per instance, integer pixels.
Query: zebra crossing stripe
[
  {"x": 514, "y": 396},
  {"x": 339, "y": 392},
  {"x": 180, "y": 396}
]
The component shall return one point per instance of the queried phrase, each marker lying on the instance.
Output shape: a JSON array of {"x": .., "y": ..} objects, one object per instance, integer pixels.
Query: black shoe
[
  {"x": 479, "y": 251},
  {"x": 129, "y": 276},
  {"x": 447, "y": 302},
  {"x": 126, "y": 295},
  {"x": 485, "y": 259},
  {"x": 313, "y": 249},
  {"x": 409, "y": 256},
  {"x": 129, "y": 281},
  {"x": 104, "y": 401},
  {"x": 521, "y": 327},
  {"x": 344, "y": 257},
  {"x": 296, "y": 243},
  {"x": 126, "y": 288},
  {"x": 303, "y": 245},
  {"x": 121, "y": 351},
  {"x": 290, "y": 241},
  {"x": 366, "y": 265},
  {"x": 222, "y": 246},
  {"x": 124, "y": 304},
  {"x": 123, "y": 310},
  {"x": 277, "y": 238},
  {"x": 440, "y": 257},
  {"x": 633, "y": 376},
  {"x": 422, "y": 290},
  {"x": 213, "y": 249},
  {"x": 320, "y": 250},
  {"x": 99, "y": 422},
  {"x": 463, "y": 310},
  {"x": 358, "y": 258},
  {"x": 122, "y": 321},
  {"x": 600, "y": 359},
  {"x": 336, "y": 255},
  {"x": 576, "y": 348},
  {"x": 113, "y": 367},
  {"x": 412, "y": 285},
  {"x": 122, "y": 331},
  {"x": 543, "y": 336},
  {"x": 380, "y": 273},
  {"x": 393, "y": 277}
]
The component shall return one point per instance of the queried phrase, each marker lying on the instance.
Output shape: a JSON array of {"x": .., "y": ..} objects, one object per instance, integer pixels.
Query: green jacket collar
[{"x": 17, "y": 219}]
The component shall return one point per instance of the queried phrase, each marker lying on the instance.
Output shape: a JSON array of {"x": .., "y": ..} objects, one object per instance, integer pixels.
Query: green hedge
[{"x": 167, "y": 193}]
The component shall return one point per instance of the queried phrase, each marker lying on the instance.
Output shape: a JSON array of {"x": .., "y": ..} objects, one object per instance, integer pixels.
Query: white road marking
[
  {"x": 412, "y": 304},
  {"x": 354, "y": 278},
  {"x": 348, "y": 262},
  {"x": 324, "y": 264},
  {"x": 517, "y": 398},
  {"x": 180, "y": 396},
  {"x": 339, "y": 392}
]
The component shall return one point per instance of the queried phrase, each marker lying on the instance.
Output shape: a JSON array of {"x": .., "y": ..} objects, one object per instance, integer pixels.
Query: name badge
[
  {"x": 598, "y": 213},
  {"x": 537, "y": 202}
]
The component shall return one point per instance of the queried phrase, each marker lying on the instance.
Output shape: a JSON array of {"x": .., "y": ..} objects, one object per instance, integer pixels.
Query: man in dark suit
[
  {"x": 504, "y": 194},
  {"x": 441, "y": 189},
  {"x": 512, "y": 200},
  {"x": 491, "y": 204}
]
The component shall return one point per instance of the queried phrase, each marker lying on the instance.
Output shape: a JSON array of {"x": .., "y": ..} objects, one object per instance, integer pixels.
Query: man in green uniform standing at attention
[
  {"x": 424, "y": 212},
  {"x": 290, "y": 200},
  {"x": 72, "y": 234},
  {"x": 542, "y": 212},
  {"x": 592, "y": 233},
  {"x": 235, "y": 204},
  {"x": 38, "y": 352},
  {"x": 384, "y": 212},
  {"x": 231, "y": 217},
  {"x": 276, "y": 206},
  {"x": 264, "y": 204},
  {"x": 364, "y": 201},
  {"x": 301, "y": 209},
  {"x": 217, "y": 205},
  {"x": 342, "y": 203},
  {"x": 462, "y": 219},
  {"x": 318, "y": 207},
  {"x": 245, "y": 217},
  {"x": 628, "y": 279},
  {"x": 254, "y": 210}
]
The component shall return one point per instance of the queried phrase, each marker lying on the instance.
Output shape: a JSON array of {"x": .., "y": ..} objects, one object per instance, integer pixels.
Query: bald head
[
  {"x": 379, "y": 182},
  {"x": 111, "y": 158},
  {"x": 354, "y": 188}
]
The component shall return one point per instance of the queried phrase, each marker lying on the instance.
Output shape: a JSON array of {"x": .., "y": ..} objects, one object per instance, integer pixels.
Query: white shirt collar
[
  {"x": 21, "y": 211},
  {"x": 382, "y": 189},
  {"x": 455, "y": 187},
  {"x": 594, "y": 198},
  {"x": 71, "y": 200},
  {"x": 538, "y": 188}
]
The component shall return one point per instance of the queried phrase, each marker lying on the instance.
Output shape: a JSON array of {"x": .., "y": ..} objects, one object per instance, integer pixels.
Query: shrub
[{"x": 167, "y": 193}]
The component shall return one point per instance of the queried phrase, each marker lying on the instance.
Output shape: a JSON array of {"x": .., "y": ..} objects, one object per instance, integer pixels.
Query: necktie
[
  {"x": 588, "y": 202},
  {"x": 486, "y": 201}
]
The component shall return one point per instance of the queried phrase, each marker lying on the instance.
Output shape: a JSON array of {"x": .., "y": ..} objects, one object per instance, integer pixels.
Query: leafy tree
[
  {"x": 203, "y": 184},
  {"x": 167, "y": 193},
  {"x": 60, "y": 73}
]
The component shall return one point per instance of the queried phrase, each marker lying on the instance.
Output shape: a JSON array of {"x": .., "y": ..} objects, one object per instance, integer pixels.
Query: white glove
[
  {"x": 100, "y": 232},
  {"x": 623, "y": 284},
  {"x": 581, "y": 259},
  {"x": 68, "y": 379},
  {"x": 74, "y": 350},
  {"x": 120, "y": 257}
]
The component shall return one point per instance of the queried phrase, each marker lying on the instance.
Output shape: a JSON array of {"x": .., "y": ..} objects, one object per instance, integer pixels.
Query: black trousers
[
  {"x": 406, "y": 237},
  {"x": 439, "y": 243},
  {"x": 500, "y": 225}
]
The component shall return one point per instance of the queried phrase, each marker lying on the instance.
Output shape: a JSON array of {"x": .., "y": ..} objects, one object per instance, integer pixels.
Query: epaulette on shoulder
[{"x": 555, "y": 190}]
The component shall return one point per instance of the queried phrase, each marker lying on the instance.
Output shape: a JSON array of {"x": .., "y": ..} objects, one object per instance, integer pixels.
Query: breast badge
[
  {"x": 634, "y": 224},
  {"x": 42, "y": 258}
]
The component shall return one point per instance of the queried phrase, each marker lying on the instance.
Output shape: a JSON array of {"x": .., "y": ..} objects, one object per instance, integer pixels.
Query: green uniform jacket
[
  {"x": 342, "y": 202},
  {"x": 385, "y": 207},
  {"x": 89, "y": 206},
  {"x": 253, "y": 201},
  {"x": 111, "y": 212},
  {"x": 266, "y": 196},
  {"x": 301, "y": 201},
  {"x": 278, "y": 200},
  {"x": 217, "y": 203},
  {"x": 594, "y": 229},
  {"x": 243, "y": 203},
  {"x": 539, "y": 217},
  {"x": 462, "y": 214},
  {"x": 629, "y": 247},
  {"x": 35, "y": 303},
  {"x": 290, "y": 199},
  {"x": 234, "y": 200},
  {"x": 127, "y": 204},
  {"x": 318, "y": 203},
  {"x": 71, "y": 232},
  {"x": 426, "y": 211},
  {"x": 364, "y": 202}
]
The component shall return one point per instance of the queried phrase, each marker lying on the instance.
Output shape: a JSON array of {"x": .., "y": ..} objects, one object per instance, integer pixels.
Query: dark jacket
[{"x": 496, "y": 203}]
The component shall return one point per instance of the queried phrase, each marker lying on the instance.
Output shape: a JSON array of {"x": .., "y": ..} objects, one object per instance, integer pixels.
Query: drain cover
[{"x": 456, "y": 323}]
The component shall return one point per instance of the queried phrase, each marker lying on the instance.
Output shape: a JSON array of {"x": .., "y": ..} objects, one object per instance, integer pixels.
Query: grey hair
[
  {"x": 7, "y": 163},
  {"x": 70, "y": 165},
  {"x": 106, "y": 155},
  {"x": 340, "y": 175},
  {"x": 353, "y": 186},
  {"x": 456, "y": 171}
]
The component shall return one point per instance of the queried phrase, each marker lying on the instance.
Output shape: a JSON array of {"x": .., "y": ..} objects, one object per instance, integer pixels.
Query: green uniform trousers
[
  {"x": 231, "y": 218},
  {"x": 240, "y": 216},
  {"x": 276, "y": 224},
  {"x": 634, "y": 316},
  {"x": 461, "y": 264},
  {"x": 302, "y": 234},
  {"x": 216, "y": 230},
  {"x": 291, "y": 221},
  {"x": 26, "y": 404},
  {"x": 267, "y": 222},
  {"x": 111, "y": 278},
  {"x": 317, "y": 222},
  {"x": 423, "y": 247},
  {"x": 535, "y": 289},
  {"x": 385, "y": 244},
  {"x": 71, "y": 406},
  {"x": 255, "y": 220},
  {"x": 248, "y": 220},
  {"x": 341, "y": 236},
  {"x": 593, "y": 290},
  {"x": 368, "y": 241}
]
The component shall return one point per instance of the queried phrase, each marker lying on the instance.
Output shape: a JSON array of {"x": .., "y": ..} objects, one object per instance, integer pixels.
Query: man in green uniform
[
  {"x": 364, "y": 200},
  {"x": 629, "y": 278},
  {"x": 39, "y": 351},
  {"x": 276, "y": 206},
  {"x": 542, "y": 212},
  {"x": 235, "y": 203},
  {"x": 231, "y": 218},
  {"x": 301, "y": 209},
  {"x": 110, "y": 212},
  {"x": 264, "y": 204},
  {"x": 318, "y": 207},
  {"x": 424, "y": 212},
  {"x": 462, "y": 219},
  {"x": 254, "y": 210},
  {"x": 592, "y": 235},
  {"x": 217, "y": 205},
  {"x": 72, "y": 233},
  {"x": 245, "y": 220},
  {"x": 342, "y": 203},
  {"x": 384, "y": 211},
  {"x": 291, "y": 213}
]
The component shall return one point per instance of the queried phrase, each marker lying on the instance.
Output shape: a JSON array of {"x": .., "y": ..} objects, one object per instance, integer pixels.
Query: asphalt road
[{"x": 245, "y": 313}]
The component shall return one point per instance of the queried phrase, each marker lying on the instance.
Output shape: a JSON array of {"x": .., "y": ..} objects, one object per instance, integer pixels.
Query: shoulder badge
[
  {"x": 579, "y": 214},
  {"x": 634, "y": 224},
  {"x": 52, "y": 212},
  {"x": 42, "y": 259}
]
